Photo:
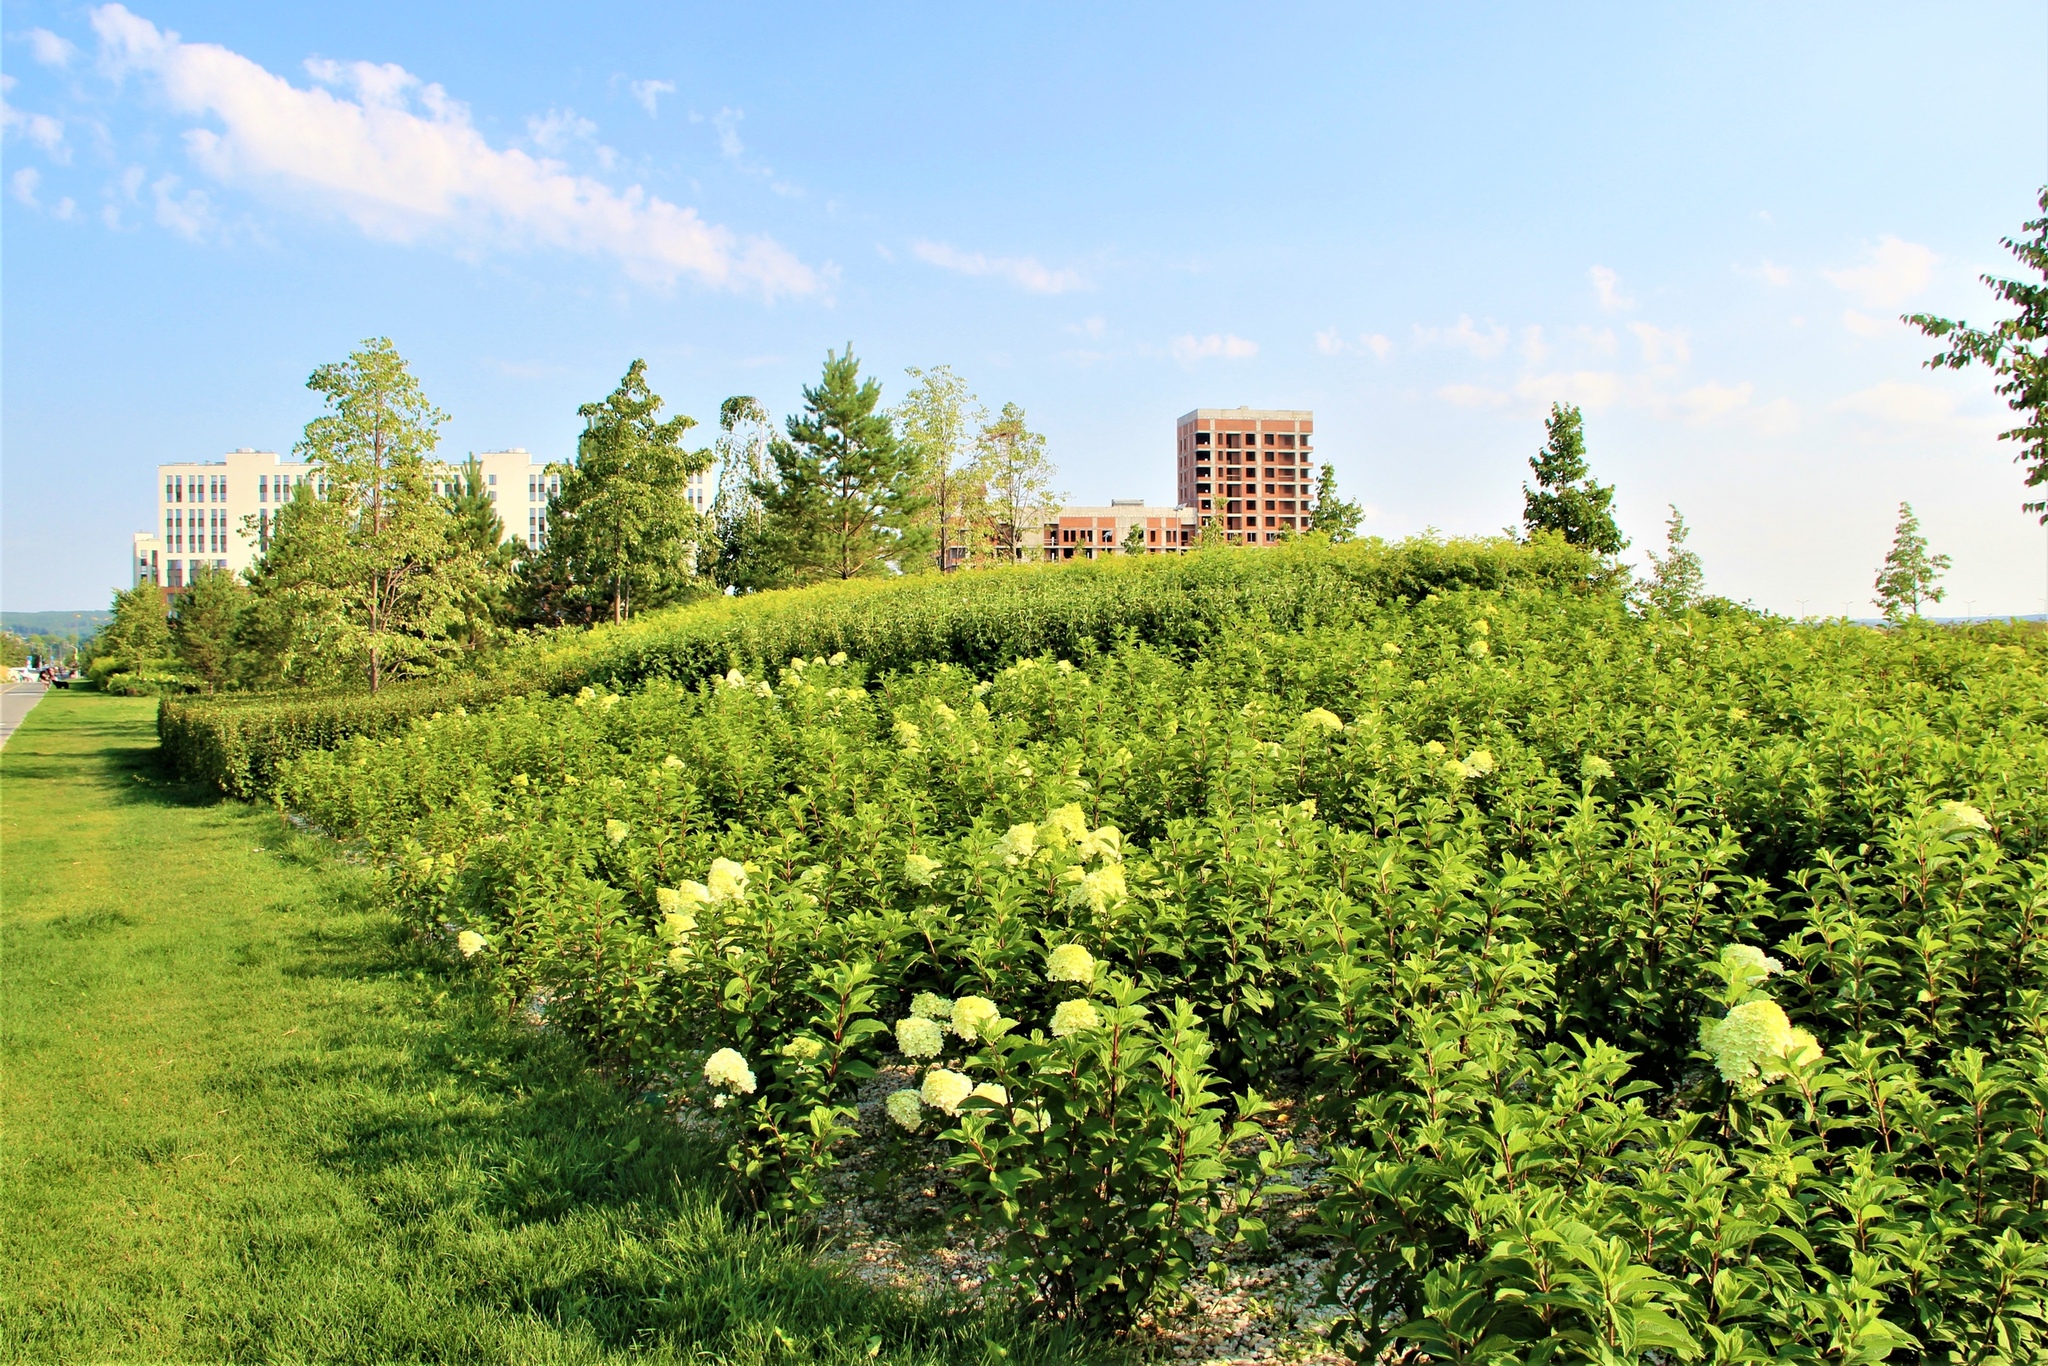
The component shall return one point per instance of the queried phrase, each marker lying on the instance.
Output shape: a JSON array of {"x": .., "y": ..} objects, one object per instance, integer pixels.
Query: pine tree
[
  {"x": 1910, "y": 574},
  {"x": 1677, "y": 578},
  {"x": 478, "y": 529},
  {"x": 1565, "y": 499},
  {"x": 1332, "y": 516},
  {"x": 203, "y": 628},
  {"x": 844, "y": 501}
]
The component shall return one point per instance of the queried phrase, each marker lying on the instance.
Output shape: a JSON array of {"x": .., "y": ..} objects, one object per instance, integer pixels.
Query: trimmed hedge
[{"x": 980, "y": 620}]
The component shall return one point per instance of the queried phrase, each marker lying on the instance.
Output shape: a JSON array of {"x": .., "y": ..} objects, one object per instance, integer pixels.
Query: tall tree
[
  {"x": 1011, "y": 464},
  {"x": 1565, "y": 499},
  {"x": 140, "y": 628},
  {"x": 621, "y": 532},
  {"x": 379, "y": 541},
  {"x": 2013, "y": 350},
  {"x": 1910, "y": 574},
  {"x": 744, "y": 433},
  {"x": 479, "y": 530},
  {"x": 203, "y": 627},
  {"x": 845, "y": 500},
  {"x": 1333, "y": 516},
  {"x": 938, "y": 419},
  {"x": 1677, "y": 578}
]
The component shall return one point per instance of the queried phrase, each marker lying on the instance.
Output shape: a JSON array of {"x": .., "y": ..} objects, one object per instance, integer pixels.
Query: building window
[
  {"x": 1201, "y": 438},
  {"x": 177, "y": 574}
]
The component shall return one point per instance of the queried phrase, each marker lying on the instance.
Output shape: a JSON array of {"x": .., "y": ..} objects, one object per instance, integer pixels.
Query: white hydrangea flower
[
  {"x": 1324, "y": 717},
  {"x": 946, "y": 1090},
  {"x": 1106, "y": 842},
  {"x": 616, "y": 831},
  {"x": 470, "y": 943},
  {"x": 1391, "y": 650},
  {"x": 988, "y": 1090},
  {"x": 1435, "y": 748},
  {"x": 677, "y": 926},
  {"x": 929, "y": 1005},
  {"x": 1479, "y": 762},
  {"x": 679, "y": 957},
  {"x": 1067, "y": 823},
  {"x": 803, "y": 1048},
  {"x": 1019, "y": 843},
  {"x": 1070, "y": 963},
  {"x": 1479, "y": 649},
  {"x": 761, "y": 689},
  {"x": 919, "y": 870},
  {"x": 727, "y": 1069},
  {"x": 1074, "y": 1017},
  {"x": 909, "y": 736},
  {"x": 944, "y": 712},
  {"x": 1963, "y": 816},
  {"x": 1758, "y": 963},
  {"x": 917, "y": 1037},
  {"x": 838, "y": 658},
  {"x": 727, "y": 879},
  {"x": 584, "y": 694},
  {"x": 1595, "y": 767},
  {"x": 1065, "y": 666},
  {"x": 905, "y": 1108},
  {"x": 1479, "y": 625},
  {"x": 1756, "y": 1042},
  {"x": 671, "y": 762},
  {"x": 971, "y": 1014},
  {"x": 1104, "y": 887}
]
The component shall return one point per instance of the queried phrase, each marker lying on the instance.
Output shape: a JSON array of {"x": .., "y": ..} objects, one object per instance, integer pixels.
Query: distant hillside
[{"x": 76, "y": 625}]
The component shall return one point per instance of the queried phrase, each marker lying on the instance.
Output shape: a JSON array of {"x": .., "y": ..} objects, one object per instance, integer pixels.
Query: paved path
[{"x": 15, "y": 704}]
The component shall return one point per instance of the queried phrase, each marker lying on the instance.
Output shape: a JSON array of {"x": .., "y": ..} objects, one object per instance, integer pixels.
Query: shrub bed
[
  {"x": 981, "y": 620},
  {"x": 1654, "y": 989}
]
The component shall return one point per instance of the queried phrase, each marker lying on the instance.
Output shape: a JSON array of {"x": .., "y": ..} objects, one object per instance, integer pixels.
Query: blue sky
[{"x": 1423, "y": 222}]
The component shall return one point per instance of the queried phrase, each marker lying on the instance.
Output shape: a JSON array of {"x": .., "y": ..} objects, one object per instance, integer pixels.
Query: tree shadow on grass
[{"x": 503, "y": 1162}]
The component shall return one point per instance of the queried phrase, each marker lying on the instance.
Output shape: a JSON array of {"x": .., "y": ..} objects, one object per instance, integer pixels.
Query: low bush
[
  {"x": 982, "y": 620},
  {"x": 1658, "y": 989}
]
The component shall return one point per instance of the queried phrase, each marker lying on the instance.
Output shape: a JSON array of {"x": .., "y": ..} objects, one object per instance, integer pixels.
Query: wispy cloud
[
  {"x": 401, "y": 160},
  {"x": 1468, "y": 336},
  {"x": 1473, "y": 396},
  {"x": 1773, "y": 275},
  {"x": 49, "y": 49},
  {"x": 1607, "y": 289},
  {"x": 1335, "y": 343},
  {"x": 1662, "y": 345},
  {"x": 1863, "y": 325},
  {"x": 649, "y": 94},
  {"x": 727, "y": 122},
  {"x": 1189, "y": 348},
  {"x": 1892, "y": 272},
  {"x": 41, "y": 129},
  {"x": 1025, "y": 272},
  {"x": 25, "y": 182},
  {"x": 1901, "y": 403}
]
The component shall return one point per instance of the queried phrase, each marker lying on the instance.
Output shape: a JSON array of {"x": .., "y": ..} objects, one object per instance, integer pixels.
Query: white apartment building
[{"x": 204, "y": 505}]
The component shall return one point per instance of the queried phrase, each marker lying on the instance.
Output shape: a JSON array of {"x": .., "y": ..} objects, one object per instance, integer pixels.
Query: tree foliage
[
  {"x": 203, "y": 629},
  {"x": 2013, "y": 349},
  {"x": 141, "y": 627},
  {"x": 1677, "y": 578},
  {"x": 1909, "y": 575},
  {"x": 845, "y": 500},
  {"x": 1011, "y": 465},
  {"x": 1566, "y": 500},
  {"x": 939, "y": 419},
  {"x": 622, "y": 535},
  {"x": 1332, "y": 516},
  {"x": 734, "y": 553}
]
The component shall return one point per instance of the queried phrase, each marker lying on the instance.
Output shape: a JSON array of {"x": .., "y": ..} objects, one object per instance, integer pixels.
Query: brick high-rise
[{"x": 1248, "y": 469}]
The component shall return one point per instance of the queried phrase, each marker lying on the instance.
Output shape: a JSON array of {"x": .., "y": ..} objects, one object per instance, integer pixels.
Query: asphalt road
[{"x": 15, "y": 704}]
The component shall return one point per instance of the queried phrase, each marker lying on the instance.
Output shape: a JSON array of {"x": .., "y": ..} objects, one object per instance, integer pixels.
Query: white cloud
[
  {"x": 1534, "y": 349},
  {"x": 25, "y": 182},
  {"x": 189, "y": 215},
  {"x": 1776, "y": 276},
  {"x": 558, "y": 128},
  {"x": 1025, "y": 272},
  {"x": 1894, "y": 272},
  {"x": 44, "y": 131},
  {"x": 1090, "y": 327},
  {"x": 1595, "y": 389},
  {"x": 1472, "y": 396},
  {"x": 1902, "y": 403},
  {"x": 727, "y": 122},
  {"x": 648, "y": 93},
  {"x": 1607, "y": 288},
  {"x": 402, "y": 161},
  {"x": 1662, "y": 346},
  {"x": 1189, "y": 348},
  {"x": 49, "y": 49},
  {"x": 1711, "y": 400},
  {"x": 1863, "y": 325},
  {"x": 1484, "y": 345},
  {"x": 1333, "y": 343}
]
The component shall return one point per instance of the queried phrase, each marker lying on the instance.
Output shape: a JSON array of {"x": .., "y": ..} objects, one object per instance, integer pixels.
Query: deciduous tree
[
  {"x": 1565, "y": 499},
  {"x": 140, "y": 628},
  {"x": 1011, "y": 464},
  {"x": 1677, "y": 578},
  {"x": 2014, "y": 350},
  {"x": 735, "y": 555},
  {"x": 939, "y": 419},
  {"x": 1333, "y": 516},
  {"x": 1910, "y": 574}
]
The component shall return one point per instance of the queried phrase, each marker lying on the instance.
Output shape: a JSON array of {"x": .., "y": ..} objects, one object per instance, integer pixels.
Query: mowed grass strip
[{"x": 247, "y": 1119}]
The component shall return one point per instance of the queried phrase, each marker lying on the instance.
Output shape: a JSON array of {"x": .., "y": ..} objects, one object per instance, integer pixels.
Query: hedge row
[{"x": 981, "y": 620}]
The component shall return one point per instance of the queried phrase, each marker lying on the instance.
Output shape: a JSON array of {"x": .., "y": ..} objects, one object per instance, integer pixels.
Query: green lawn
[{"x": 245, "y": 1119}]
